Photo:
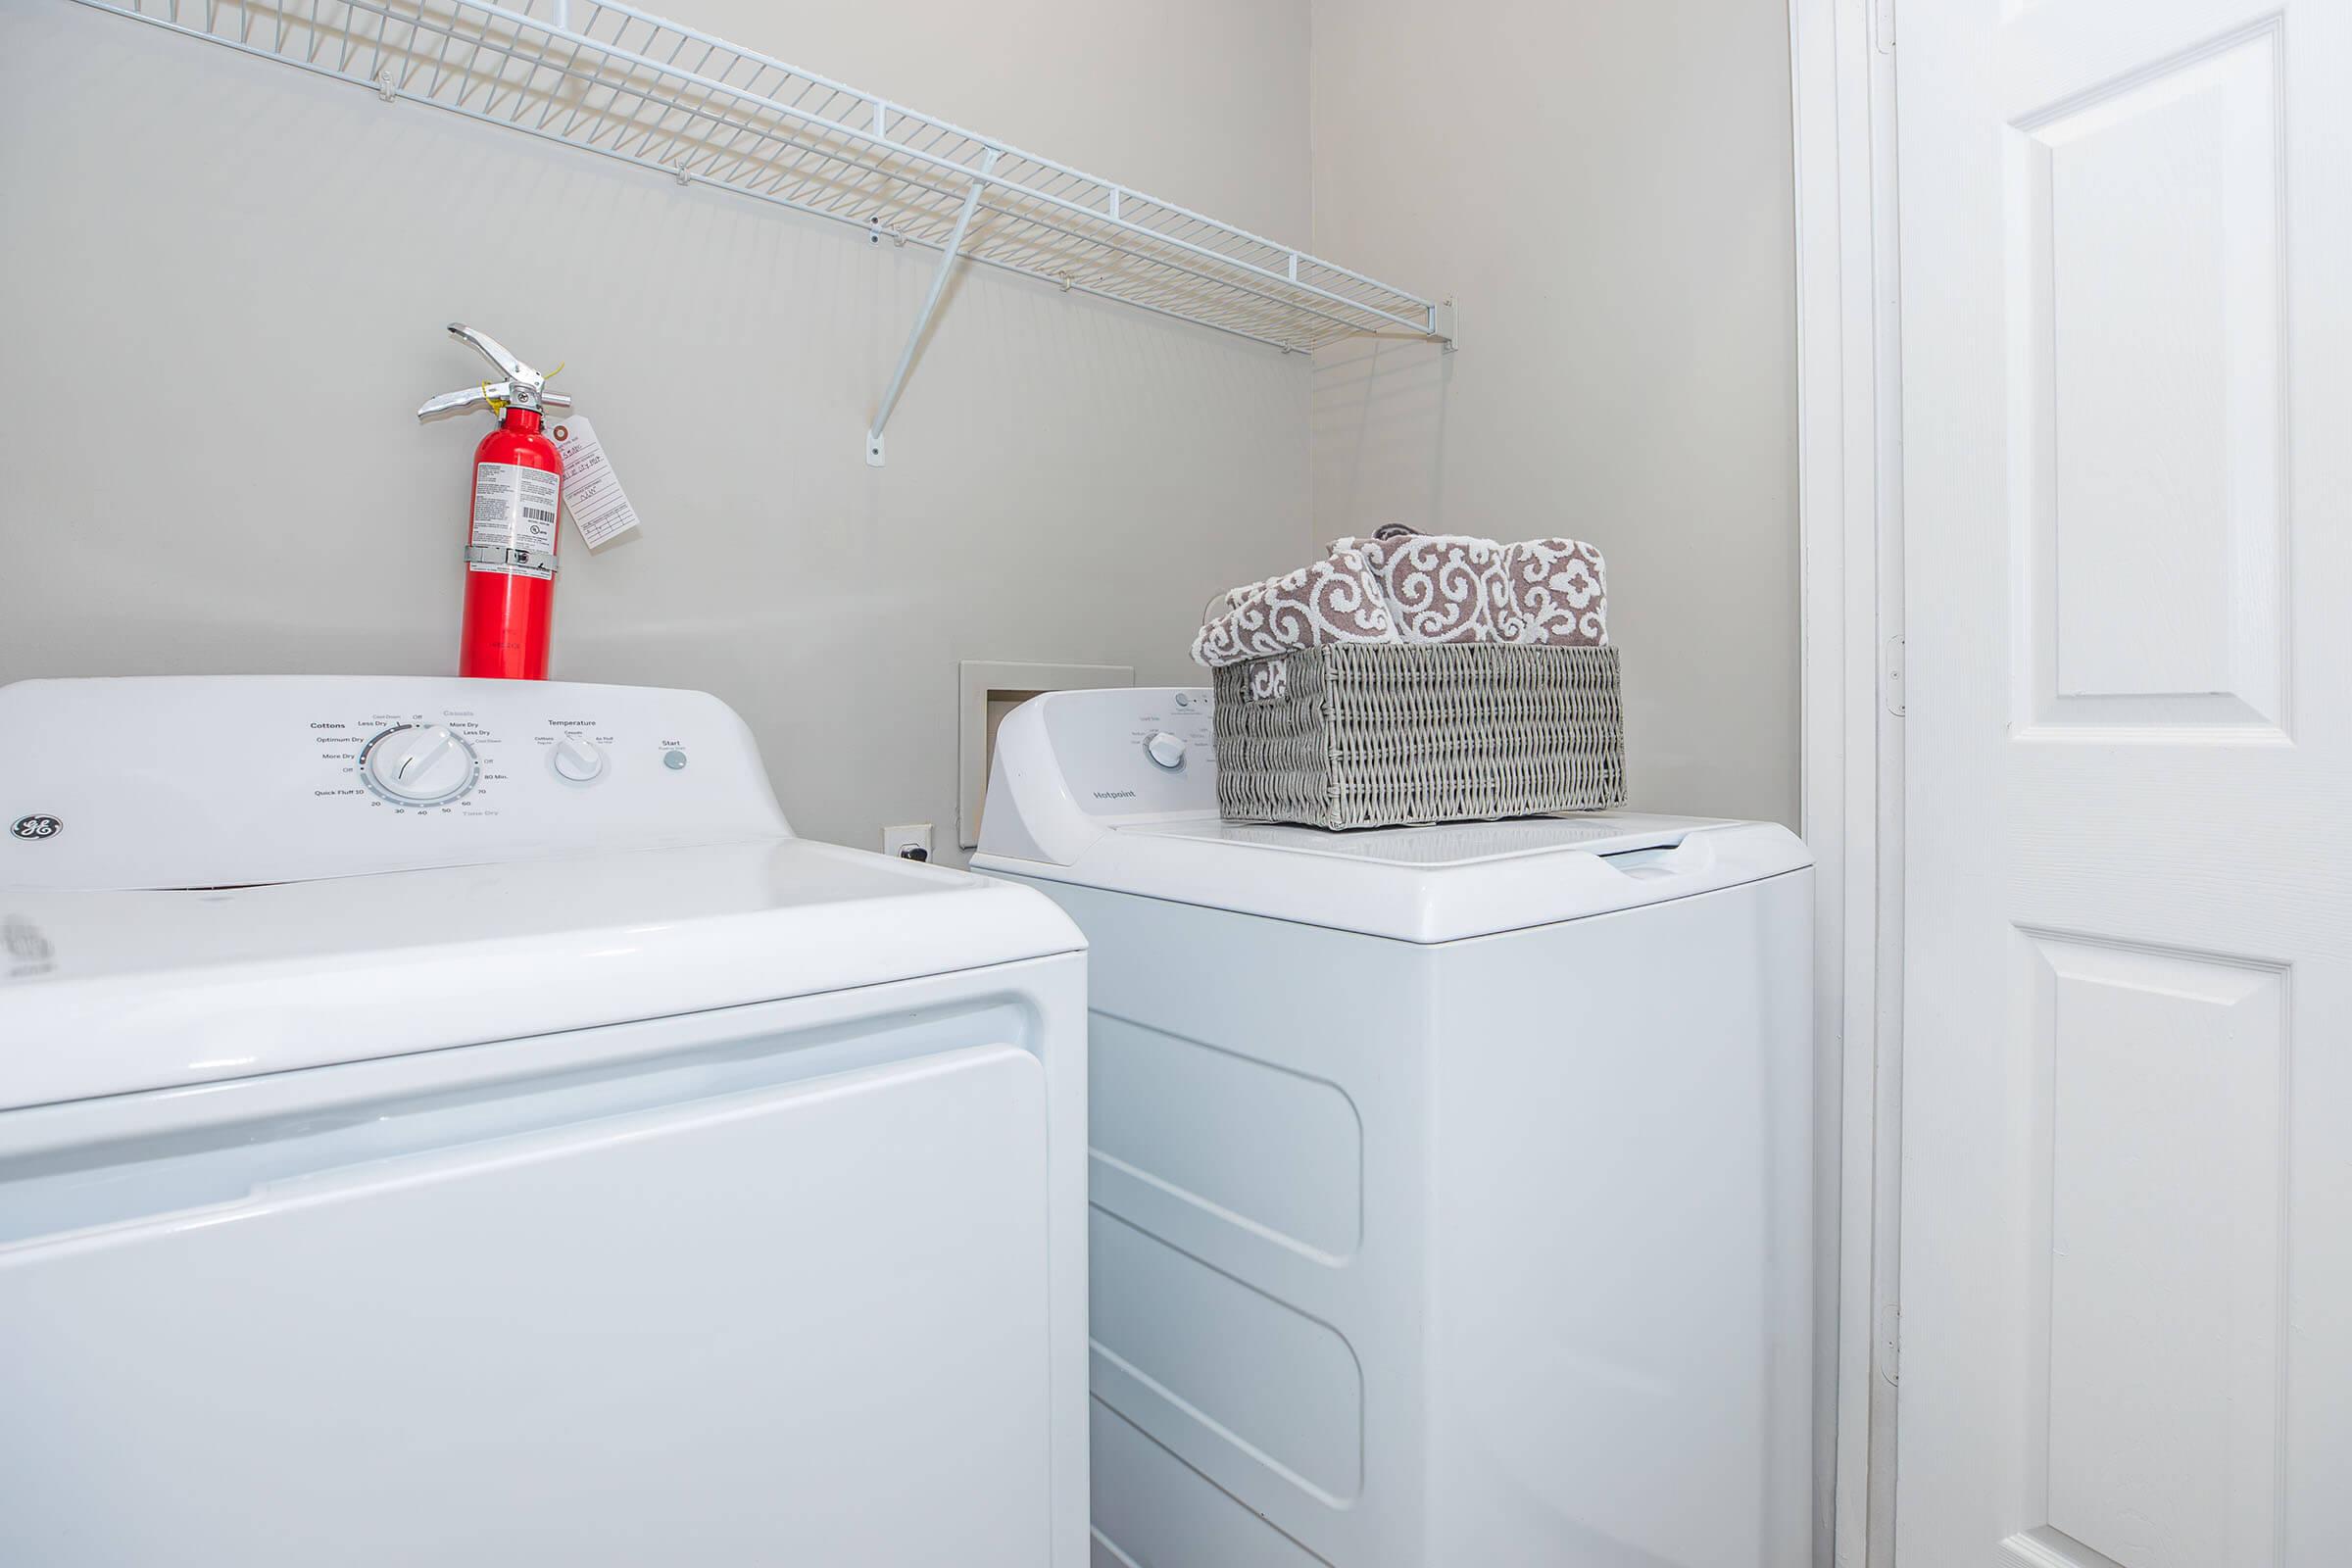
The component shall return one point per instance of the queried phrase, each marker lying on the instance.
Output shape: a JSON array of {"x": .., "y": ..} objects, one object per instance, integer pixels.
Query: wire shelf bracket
[
  {"x": 922, "y": 323},
  {"x": 613, "y": 80}
]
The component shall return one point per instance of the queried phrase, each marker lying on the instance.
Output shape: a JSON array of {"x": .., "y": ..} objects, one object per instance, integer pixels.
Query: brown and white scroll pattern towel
[
  {"x": 1557, "y": 592},
  {"x": 1329, "y": 601},
  {"x": 1402, "y": 586},
  {"x": 1439, "y": 588}
]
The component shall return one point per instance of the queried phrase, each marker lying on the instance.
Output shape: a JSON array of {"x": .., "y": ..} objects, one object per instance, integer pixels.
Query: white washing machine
[
  {"x": 456, "y": 1122},
  {"x": 1451, "y": 1185}
]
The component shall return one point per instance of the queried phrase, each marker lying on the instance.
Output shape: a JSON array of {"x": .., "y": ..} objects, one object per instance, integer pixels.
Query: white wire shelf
[{"x": 613, "y": 80}]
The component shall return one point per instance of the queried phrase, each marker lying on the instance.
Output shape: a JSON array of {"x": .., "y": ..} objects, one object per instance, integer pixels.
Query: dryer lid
[
  {"x": 1443, "y": 883},
  {"x": 106, "y": 993},
  {"x": 1445, "y": 844}
]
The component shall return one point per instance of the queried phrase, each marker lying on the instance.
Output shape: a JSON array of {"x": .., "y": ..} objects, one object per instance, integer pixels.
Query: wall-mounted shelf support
[
  {"x": 948, "y": 256},
  {"x": 613, "y": 80}
]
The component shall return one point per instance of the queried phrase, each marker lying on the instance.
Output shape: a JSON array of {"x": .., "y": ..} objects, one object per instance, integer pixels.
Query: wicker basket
[{"x": 1375, "y": 734}]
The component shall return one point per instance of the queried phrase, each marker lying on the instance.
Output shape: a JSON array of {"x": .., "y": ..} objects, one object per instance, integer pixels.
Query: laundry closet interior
[
  {"x": 497, "y": 1032},
  {"x": 1076, "y": 782}
]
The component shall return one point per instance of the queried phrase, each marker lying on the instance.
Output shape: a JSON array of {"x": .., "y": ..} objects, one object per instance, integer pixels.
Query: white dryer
[
  {"x": 1451, "y": 1185},
  {"x": 456, "y": 1122}
]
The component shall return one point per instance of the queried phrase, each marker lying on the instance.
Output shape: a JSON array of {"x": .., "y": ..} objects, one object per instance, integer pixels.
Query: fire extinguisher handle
[
  {"x": 482, "y": 397},
  {"x": 472, "y": 397},
  {"x": 513, "y": 368},
  {"x": 521, "y": 387}
]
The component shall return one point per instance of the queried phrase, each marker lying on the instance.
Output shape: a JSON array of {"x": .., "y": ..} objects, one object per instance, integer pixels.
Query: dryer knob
[
  {"x": 577, "y": 760},
  {"x": 421, "y": 764},
  {"x": 1165, "y": 748}
]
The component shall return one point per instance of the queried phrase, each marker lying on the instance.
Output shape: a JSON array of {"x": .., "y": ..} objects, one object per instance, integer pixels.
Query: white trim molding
[{"x": 1849, "y": 474}]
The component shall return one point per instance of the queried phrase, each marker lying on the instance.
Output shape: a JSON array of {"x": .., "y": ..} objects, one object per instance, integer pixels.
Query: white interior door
[{"x": 2127, "y": 1248}]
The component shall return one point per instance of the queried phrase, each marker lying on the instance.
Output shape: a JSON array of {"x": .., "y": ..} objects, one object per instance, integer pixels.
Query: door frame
[{"x": 1850, "y": 511}]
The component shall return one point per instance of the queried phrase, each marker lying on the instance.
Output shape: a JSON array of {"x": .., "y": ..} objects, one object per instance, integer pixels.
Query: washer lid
[
  {"x": 1426, "y": 884},
  {"x": 106, "y": 993}
]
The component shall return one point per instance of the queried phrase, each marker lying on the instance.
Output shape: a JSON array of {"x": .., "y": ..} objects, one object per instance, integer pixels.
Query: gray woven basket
[{"x": 1376, "y": 734}]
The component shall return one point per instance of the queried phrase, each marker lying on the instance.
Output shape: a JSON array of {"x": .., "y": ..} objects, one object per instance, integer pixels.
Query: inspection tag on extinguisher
[{"x": 600, "y": 508}]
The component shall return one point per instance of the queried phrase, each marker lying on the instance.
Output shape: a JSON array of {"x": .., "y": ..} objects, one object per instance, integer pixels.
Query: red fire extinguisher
[{"x": 518, "y": 491}]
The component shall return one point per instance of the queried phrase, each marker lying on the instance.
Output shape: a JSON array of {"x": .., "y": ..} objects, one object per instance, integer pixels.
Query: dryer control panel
[
  {"x": 1069, "y": 767},
  {"x": 1140, "y": 751},
  {"x": 214, "y": 781}
]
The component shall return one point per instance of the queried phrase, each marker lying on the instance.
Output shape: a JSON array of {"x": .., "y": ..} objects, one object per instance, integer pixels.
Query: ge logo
[{"x": 35, "y": 827}]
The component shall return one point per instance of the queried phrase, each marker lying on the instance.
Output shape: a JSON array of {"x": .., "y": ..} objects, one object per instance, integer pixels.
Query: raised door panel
[
  {"x": 2146, "y": 387},
  {"x": 2157, "y": 1095}
]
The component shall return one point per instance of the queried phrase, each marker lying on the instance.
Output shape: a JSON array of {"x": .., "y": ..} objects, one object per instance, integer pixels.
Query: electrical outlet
[{"x": 910, "y": 840}]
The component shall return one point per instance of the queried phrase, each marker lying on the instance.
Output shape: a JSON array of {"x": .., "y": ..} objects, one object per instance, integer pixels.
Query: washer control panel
[
  {"x": 216, "y": 781},
  {"x": 1136, "y": 750}
]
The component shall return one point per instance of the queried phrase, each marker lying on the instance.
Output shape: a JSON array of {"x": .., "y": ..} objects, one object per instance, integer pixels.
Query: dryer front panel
[{"x": 775, "y": 1294}]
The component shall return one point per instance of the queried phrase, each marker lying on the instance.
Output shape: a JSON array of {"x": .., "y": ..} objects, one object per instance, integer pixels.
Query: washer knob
[
  {"x": 581, "y": 761},
  {"x": 420, "y": 763},
  {"x": 1165, "y": 750}
]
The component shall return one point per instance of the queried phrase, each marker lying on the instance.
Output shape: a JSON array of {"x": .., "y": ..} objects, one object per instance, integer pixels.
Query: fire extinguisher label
[{"x": 514, "y": 517}]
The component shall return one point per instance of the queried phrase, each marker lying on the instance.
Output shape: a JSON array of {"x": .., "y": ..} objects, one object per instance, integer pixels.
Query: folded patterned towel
[
  {"x": 1335, "y": 600},
  {"x": 1401, "y": 585}
]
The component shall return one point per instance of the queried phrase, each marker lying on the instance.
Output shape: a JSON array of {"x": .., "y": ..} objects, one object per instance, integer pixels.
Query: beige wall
[
  {"x": 1605, "y": 186},
  {"x": 223, "y": 285},
  {"x": 221, "y": 293}
]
